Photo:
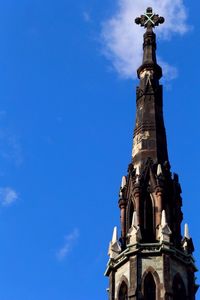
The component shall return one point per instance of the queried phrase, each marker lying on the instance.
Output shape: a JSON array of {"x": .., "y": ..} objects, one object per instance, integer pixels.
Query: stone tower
[{"x": 151, "y": 260}]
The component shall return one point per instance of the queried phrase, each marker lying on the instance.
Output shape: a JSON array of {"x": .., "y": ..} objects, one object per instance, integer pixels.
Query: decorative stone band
[
  {"x": 157, "y": 70},
  {"x": 149, "y": 249},
  {"x": 148, "y": 126}
]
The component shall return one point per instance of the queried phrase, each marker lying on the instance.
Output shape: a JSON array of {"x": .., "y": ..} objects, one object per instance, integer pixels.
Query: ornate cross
[{"x": 149, "y": 19}]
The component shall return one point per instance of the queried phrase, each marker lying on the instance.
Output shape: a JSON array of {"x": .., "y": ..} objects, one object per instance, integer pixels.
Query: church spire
[
  {"x": 149, "y": 135},
  {"x": 151, "y": 260}
]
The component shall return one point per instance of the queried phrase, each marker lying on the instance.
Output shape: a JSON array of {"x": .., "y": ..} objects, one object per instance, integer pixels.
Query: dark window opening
[
  {"x": 130, "y": 217},
  {"x": 123, "y": 292},
  {"x": 149, "y": 287},
  {"x": 178, "y": 287},
  {"x": 148, "y": 220}
]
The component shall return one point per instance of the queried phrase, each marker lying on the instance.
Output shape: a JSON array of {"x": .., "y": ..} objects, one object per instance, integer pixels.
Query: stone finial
[
  {"x": 186, "y": 231},
  {"x": 114, "y": 246},
  {"x": 114, "y": 236},
  {"x": 159, "y": 170},
  {"x": 137, "y": 172},
  {"x": 164, "y": 230},
  {"x": 134, "y": 233},
  {"x": 163, "y": 219},
  {"x": 149, "y": 19},
  {"x": 123, "y": 183},
  {"x": 187, "y": 242},
  {"x": 135, "y": 220}
]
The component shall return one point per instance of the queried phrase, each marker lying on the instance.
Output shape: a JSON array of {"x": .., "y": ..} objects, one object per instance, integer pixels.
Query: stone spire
[
  {"x": 151, "y": 259},
  {"x": 149, "y": 135}
]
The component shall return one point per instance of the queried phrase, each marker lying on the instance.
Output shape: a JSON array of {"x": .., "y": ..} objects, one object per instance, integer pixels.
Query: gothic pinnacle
[
  {"x": 114, "y": 246},
  {"x": 114, "y": 236},
  {"x": 186, "y": 231},
  {"x": 135, "y": 220},
  {"x": 159, "y": 170},
  {"x": 163, "y": 218},
  {"x": 123, "y": 183},
  {"x": 137, "y": 172}
]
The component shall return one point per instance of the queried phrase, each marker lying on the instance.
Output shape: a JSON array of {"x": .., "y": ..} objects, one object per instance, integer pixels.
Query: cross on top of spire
[{"x": 149, "y": 19}]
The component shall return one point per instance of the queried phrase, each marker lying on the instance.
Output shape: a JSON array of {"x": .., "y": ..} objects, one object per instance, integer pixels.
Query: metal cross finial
[{"x": 149, "y": 19}]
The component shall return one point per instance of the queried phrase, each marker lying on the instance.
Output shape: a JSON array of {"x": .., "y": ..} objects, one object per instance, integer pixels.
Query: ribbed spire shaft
[{"x": 149, "y": 134}]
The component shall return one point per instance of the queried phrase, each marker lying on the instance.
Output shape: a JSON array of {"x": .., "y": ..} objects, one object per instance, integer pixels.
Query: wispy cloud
[
  {"x": 10, "y": 144},
  {"x": 87, "y": 16},
  {"x": 122, "y": 39},
  {"x": 8, "y": 196},
  {"x": 70, "y": 241},
  {"x": 11, "y": 149}
]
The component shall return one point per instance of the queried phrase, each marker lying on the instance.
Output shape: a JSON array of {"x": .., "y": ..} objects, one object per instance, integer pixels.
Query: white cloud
[
  {"x": 122, "y": 38},
  {"x": 70, "y": 241},
  {"x": 7, "y": 196},
  {"x": 170, "y": 72}
]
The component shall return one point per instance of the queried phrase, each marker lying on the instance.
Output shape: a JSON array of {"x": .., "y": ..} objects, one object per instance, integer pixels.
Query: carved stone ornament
[
  {"x": 114, "y": 246},
  {"x": 134, "y": 233},
  {"x": 149, "y": 19},
  {"x": 164, "y": 230}
]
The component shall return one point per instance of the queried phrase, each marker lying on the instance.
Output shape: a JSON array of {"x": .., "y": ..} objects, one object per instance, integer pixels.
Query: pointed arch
[
  {"x": 178, "y": 287},
  {"x": 151, "y": 286},
  {"x": 123, "y": 291}
]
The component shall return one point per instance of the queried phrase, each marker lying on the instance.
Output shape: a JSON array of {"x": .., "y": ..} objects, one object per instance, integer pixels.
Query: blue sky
[{"x": 67, "y": 111}]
